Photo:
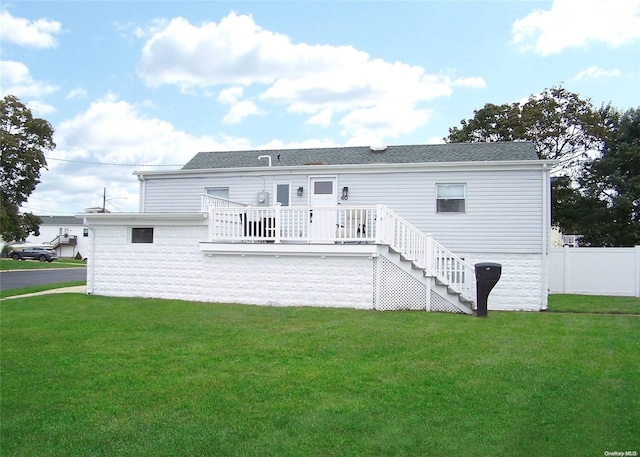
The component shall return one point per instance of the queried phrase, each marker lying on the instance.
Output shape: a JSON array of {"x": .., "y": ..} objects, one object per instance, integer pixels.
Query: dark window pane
[
  {"x": 142, "y": 235},
  {"x": 323, "y": 187},
  {"x": 450, "y": 206}
]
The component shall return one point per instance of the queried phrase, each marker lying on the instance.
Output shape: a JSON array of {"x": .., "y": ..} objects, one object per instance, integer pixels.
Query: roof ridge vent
[{"x": 378, "y": 147}]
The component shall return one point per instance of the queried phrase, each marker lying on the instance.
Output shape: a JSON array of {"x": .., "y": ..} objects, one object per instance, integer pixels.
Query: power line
[
  {"x": 116, "y": 164},
  {"x": 47, "y": 210},
  {"x": 31, "y": 197}
]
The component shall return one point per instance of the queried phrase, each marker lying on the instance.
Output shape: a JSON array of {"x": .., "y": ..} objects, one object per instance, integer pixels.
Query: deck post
[
  {"x": 277, "y": 205},
  {"x": 211, "y": 221},
  {"x": 430, "y": 257},
  {"x": 380, "y": 231}
]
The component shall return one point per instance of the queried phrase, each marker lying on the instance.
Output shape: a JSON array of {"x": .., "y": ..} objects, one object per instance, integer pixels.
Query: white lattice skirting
[{"x": 396, "y": 289}]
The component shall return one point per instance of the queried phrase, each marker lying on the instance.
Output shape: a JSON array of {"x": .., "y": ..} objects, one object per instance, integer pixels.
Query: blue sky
[{"x": 146, "y": 85}]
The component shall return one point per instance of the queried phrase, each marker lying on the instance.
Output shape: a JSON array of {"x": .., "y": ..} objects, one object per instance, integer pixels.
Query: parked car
[{"x": 41, "y": 253}]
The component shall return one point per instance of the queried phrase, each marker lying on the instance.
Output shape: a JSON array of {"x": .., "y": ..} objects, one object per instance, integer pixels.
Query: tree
[
  {"x": 559, "y": 123},
  {"x": 23, "y": 142},
  {"x": 596, "y": 186},
  {"x": 610, "y": 187}
]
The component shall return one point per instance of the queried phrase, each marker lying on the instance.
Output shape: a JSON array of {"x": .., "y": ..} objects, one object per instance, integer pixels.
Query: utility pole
[{"x": 104, "y": 200}]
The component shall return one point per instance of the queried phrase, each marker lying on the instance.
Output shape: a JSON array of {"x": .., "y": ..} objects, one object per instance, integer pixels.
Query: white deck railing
[
  {"x": 208, "y": 201},
  {"x": 425, "y": 252},
  {"x": 340, "y": 224},
  {"x": 300, "y": 224}
]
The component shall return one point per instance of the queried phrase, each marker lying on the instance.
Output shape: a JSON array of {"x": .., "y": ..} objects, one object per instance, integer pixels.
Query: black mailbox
[{"x": 487, "y": 276}]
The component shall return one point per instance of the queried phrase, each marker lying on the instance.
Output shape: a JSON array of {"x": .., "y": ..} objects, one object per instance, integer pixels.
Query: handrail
[
  {"x": 425, "y": 252},
  {"x": 64, "y": 239},
  {"x": 218, "y": 202}
]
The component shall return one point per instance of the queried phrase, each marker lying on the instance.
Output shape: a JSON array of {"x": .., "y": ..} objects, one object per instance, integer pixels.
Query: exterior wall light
[
  {"x": 345, "y": 193},
  {"x": 300, "y": 190}
]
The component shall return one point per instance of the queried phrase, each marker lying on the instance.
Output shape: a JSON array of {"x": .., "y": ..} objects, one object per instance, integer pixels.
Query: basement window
[
  {"x": 142, "y": 235},
  {"x": 450, "y": 198}
]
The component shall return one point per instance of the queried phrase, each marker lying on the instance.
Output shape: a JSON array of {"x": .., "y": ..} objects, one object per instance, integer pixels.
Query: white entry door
[{"x": 323, "y": 198}]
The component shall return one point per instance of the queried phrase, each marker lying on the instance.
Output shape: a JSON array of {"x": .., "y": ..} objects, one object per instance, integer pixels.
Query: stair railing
[{"x": 426, "y": 253}]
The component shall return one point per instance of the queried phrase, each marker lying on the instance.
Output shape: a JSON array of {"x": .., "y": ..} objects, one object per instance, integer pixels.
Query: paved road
[{"x": 25, "y": 278}]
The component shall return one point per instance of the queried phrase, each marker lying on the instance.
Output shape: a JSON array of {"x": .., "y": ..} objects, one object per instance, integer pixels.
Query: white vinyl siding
[{"x": 503, "y": 208}]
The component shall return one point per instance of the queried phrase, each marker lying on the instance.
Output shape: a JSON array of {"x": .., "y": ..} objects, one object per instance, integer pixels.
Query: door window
[{"x": 323, "y": 187}]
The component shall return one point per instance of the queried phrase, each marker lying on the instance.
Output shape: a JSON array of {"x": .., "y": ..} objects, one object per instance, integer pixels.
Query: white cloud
[
  {"x": 595, "y": 72},
  {"x": 39, "y": 108},
  {"x": 240, "y": 109},
  {"x": 76, "y": 94},
  {"x": 311, "y": 143},
  {"x": 473, "y": 82},
  {"x": 574, "y": 24},
  {"x": 114, "y": 131},
  {"x": 435, "y": 140},
  {"x": 365, "y": 122},
  {"x": 323, "y": 118},
  {"x": 230, "y": 95},
  {"x": 319, "y": 81},
  {"x": 23, "y": 32},
  {"x": 17, "y": 80},
  {"x": 110, "y": 132}
]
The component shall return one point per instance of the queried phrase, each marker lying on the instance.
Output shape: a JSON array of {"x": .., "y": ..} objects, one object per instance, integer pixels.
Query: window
[
  {"x": 450, "y": 198},
  {"x": 142, "y": 235},
  {"x": 85, "y": 232},
  {"x": 323, "y": 187},
  {"x": 283, "y": 193},
  {"x": 220, "y": 192}
]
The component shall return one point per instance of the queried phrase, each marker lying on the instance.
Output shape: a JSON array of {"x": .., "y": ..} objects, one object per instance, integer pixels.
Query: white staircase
[{"x": 413, "y": 271}]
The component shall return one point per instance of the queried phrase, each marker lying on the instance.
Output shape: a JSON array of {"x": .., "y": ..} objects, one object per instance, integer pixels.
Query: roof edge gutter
[{"x": 359, "y": 167}]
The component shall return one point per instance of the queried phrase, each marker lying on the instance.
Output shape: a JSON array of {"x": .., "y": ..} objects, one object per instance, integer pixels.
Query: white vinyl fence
[{"x": 595, "y": 271}]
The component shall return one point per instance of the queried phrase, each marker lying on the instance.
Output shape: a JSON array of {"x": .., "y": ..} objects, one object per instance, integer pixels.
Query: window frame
[
  {"x": 275, "y": 192},
  {"x": 217, "y": 189},
  {"x": 144, "y": 240},
  {"x": 439, "y": 206}
]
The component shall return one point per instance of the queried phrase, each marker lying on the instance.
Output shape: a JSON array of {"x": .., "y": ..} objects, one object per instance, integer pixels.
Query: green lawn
[
  {"x": 96, "y": 376},
  {"x": 10, "y": 264},
  {"x": 561, "y": 303}
]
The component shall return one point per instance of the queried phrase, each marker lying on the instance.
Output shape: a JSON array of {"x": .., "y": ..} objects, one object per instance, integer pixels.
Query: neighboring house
[
  {"x": 387, "y": 228},
  {"x": 66, "y": 234}
]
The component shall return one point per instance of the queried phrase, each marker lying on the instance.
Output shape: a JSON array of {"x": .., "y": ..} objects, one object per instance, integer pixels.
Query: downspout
[
  {"x": 546, "y": 224},
  {"x": 90, "y": 263},
  {"x": 143, "y": 194}
]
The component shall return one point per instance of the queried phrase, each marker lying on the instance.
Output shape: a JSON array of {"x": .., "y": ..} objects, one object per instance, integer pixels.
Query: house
[
  {"x": 65, "y": 234},
  {"x": 396, "y": 227}
]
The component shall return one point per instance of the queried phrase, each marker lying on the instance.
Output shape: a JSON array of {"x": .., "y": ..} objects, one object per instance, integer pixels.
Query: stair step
[
  {"x": 453, "y": 292},
  {"x": 466, "y": 301}
]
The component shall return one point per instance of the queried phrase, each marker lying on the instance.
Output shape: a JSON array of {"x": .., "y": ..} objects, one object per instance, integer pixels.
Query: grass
[
  {"x": 40, "y": 288},
  {"x": 98, "y": 376},
  {"x": 597, "y": 304},
  {"x": 10, "y": 264}
]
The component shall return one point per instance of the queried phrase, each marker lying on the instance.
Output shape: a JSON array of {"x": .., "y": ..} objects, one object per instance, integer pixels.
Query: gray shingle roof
[
  {"x": 60, "y": 220},
  {"x": 421, "y": 153}
]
